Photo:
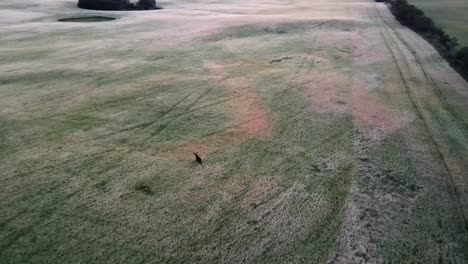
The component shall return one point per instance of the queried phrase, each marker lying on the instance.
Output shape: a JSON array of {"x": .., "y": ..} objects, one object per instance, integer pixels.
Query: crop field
[
  {"x": 329, "y": 133},
  {"x": 449, "y": 14}
]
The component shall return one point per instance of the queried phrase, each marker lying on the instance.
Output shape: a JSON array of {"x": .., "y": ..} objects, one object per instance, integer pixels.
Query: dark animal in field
[{"x": 198, "y": 158}]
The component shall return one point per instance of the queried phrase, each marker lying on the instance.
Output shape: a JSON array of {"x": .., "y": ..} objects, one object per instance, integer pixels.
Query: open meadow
[
  {"x": 451, "y": 15},
  {"x": 329, "y": 134}
]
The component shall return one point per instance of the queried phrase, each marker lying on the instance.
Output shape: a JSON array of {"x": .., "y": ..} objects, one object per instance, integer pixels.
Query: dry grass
[{"x": 329, "y": 133}]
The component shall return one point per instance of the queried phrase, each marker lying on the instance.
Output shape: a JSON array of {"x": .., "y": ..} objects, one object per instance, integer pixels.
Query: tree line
[
  {"x": 414, "y": 18},
  {"x": 117, "y": 5}
]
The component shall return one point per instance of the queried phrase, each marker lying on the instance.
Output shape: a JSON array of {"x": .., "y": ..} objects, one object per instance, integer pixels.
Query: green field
[
  {"x": 451, "y": 15},
  {"x": 329, "y": 134}
]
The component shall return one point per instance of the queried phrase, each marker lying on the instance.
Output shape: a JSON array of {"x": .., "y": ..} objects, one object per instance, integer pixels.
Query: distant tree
[
  {"x": 414, "y": 18},
  {"x": 423, "y": 24},
  {"x": 444, "y": 38},
  {"x": 105, "y": 4},
  {"x": 452, "y": 48},
  {"x": 407, "y": 14},
  {"x": 146, "y": 4},
  {"x": 462, "y": 59},
  {"x": 117, "y": 4}
]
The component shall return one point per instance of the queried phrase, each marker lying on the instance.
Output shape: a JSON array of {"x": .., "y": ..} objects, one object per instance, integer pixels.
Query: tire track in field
[
  {"x": 420, "y": 115},
  {"x": 144, "y": 125},
  {"x": 364, "y": 246},
  {"x": 148, "y": 124},
  {"x": 175, "y": 118},
  {"x": 230, "y": 76},
  {"x": 426, "y": 125},
  {"x": 189, "y": 108},
  {"x": 455, "y": 114},
  {"x": 46, "y": 214}
]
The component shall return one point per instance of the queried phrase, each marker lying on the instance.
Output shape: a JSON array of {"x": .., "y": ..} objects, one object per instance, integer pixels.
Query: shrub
[
  {"x": 146, "y": 4},
  {"x": 117, "y": 5},
  {"x": 105, "y": 4},
  {"x": 462, "y": 59}
]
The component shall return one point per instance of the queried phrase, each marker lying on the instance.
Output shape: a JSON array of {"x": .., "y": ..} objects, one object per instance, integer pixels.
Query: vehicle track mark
[
  {"x": 455, "y": 114},
  {"x": 186, "y": 109},
  {"x": 426, "y": 125}
]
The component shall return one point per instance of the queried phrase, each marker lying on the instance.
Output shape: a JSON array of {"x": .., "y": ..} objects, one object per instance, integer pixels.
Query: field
[
  {"x": 329, "y": 134},
  {"x": 449, "y": 14}
]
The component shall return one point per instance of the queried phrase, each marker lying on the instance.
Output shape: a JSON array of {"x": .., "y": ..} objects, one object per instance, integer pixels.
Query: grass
[
  {"x": 450, "y": 15},
  {"x": 172, "y": 120},
  {"x": 317, "y": 157}
]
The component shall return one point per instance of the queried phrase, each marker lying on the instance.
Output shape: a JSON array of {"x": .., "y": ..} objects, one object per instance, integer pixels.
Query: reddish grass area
[
  {"x": 250, "y": 119},
  {"x": 374, "y": 114},
  {"x": 328, "y": 95},
  {"x": 253, "y": 119}
]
